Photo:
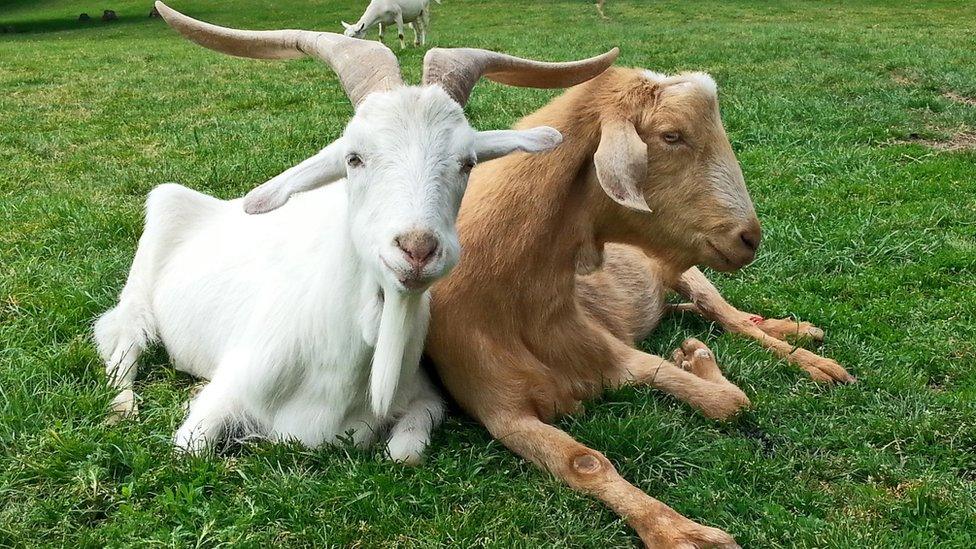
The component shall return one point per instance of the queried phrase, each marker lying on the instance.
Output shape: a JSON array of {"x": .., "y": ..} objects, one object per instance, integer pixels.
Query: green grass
[{"x": 873, "y": 240}]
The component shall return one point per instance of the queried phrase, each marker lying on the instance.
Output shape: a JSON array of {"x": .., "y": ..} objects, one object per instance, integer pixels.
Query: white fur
[
  {"x": 293, "y": 313},
  {"x": 387, "y": 12},
  {"x": 701, "y": 79}
]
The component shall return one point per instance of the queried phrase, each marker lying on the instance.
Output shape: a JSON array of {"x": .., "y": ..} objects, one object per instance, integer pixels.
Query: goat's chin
[
  {"x": 406, "y": 285},
  {"x": 722, "y": 266},
  {"x": 720, "y": 260},
  {"x": 414, "y": 285},
  {"x": 406, "y": 281}
]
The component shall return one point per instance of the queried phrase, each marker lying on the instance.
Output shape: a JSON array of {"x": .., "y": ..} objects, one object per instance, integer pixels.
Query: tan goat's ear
[{"x": 621, "y": 164}]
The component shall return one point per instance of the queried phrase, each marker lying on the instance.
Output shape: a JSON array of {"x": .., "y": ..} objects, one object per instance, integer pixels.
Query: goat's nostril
[
  {"x": 751, "y": 239},
  {"x": 418, "y": 246}
]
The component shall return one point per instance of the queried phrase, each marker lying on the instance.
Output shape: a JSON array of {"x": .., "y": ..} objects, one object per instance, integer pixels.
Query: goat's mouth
[
  {"x": 725, "y": 263},
  {"x": 409, "y": 280}
]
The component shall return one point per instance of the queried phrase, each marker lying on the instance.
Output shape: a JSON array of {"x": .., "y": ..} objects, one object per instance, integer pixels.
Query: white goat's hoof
[
  {"x": 123, "y": 406},
  {"x": 406, "y": 450},
  {"x": 188, "y": 442}
]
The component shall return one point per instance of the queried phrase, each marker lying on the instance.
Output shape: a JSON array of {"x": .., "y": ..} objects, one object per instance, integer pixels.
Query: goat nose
[
  {"x": 418, "y": 246},
  {"x": 751, "y": 237}
]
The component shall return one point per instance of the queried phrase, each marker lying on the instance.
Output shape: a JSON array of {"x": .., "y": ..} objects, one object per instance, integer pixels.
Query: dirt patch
[
  {"x": 9, "y": 307},
  {"x": 902, "y": 489},
  {"x": 963, "y": 140},
  {"x": 909, "y": 80},
  {"x": 955, "y": 97},
  {"x": 902, "y": 79}
]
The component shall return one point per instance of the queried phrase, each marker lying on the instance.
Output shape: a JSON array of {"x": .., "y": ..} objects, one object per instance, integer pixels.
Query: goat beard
[{"x": 396, "y": 321}]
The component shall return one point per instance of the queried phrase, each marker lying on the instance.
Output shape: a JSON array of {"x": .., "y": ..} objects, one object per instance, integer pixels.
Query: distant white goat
[
  {"x": 297, "y": 315},
  {"x": 388, "y": 12}
]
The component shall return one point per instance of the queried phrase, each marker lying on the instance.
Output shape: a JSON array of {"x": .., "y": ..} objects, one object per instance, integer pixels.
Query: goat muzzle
[{"x": 418, "y": 247}]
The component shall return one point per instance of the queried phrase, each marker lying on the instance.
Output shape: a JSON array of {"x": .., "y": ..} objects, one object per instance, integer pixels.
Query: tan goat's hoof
[
  {"x": 695, "y": 357},
  {"x": 726, "y": 403},
  {"x": 677, "y": 532},
  {"x": 726, "y": 400},
  {"x": 821, "y": 369}
]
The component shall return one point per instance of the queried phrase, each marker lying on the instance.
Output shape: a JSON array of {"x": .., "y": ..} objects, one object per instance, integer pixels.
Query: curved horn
[
  {"x": 457, "y": 70},
  {"x": 362, "y": 66}
]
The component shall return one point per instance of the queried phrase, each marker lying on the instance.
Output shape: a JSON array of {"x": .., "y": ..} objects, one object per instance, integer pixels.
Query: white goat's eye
[
  {"x": 467, "y": 166},
  {"x": 671, "y": 137},
  {"x": 354, "y": 160}
]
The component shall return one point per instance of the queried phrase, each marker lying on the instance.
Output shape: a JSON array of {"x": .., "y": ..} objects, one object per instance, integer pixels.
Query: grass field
[{"x": 854, "y": 123}]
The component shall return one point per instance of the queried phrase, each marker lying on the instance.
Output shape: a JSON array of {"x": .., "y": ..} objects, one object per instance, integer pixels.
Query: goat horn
[
  {"x": 362, "y": 66},
  {"x": 457, "y": 70}
]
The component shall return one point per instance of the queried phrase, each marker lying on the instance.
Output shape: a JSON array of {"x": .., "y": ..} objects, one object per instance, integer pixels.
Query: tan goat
[{"x": 519, "y": 336}]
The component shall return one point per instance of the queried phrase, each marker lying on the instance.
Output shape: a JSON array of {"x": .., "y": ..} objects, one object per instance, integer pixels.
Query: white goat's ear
[
  {"x": 345, "y": 25},
  {"x": 621, "y": 164},
  {"x": 498, "y": 143},
  {"x": 323, "y": 168}
]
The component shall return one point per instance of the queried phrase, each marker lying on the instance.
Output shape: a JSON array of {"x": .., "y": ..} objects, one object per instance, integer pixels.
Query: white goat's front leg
[
  {"x": 122, "y": 377},
  {"x": 410, "y": 434},
  {"x": 211, "y": 413},
  {"x": 121, "y": 340},
  {"x": 415, "y": 25},
  {"x": 399, "y": 24},
  {"x": 124, "y": 332},
  {"x": 424, "y": 25},
  {"x": 381, "y": 32}
]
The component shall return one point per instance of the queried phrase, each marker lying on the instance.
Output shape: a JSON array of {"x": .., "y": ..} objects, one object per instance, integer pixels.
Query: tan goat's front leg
[
  {"x": 694, "y": 377},
  {"x": 770, "y": 333},
  {"x": 591, "y": 472}
]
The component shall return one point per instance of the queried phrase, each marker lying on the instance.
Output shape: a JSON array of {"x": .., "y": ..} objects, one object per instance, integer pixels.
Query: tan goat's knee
[{"x": 588, "y": 468}]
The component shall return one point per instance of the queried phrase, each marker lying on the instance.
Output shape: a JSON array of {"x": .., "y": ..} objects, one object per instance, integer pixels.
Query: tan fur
[{"x": 518, "y": 337}]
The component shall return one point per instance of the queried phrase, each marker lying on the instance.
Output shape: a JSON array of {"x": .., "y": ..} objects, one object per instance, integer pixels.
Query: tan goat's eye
[
  {"x": 671, "y": 137},
  {"x": 354, "y": 160}
]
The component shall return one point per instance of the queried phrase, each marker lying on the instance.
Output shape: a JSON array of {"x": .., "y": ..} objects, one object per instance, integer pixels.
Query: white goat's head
[
  {"x": 354, "y": 30},
  {"x": 408, "y": 150},
  {"x": 407, "y": 157}
]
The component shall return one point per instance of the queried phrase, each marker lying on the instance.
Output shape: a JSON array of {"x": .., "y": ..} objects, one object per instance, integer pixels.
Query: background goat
[
  {"x": 388, "y": 12},
  {"x": 282, "y": 312},
  {"x": 645, "y": 169}
]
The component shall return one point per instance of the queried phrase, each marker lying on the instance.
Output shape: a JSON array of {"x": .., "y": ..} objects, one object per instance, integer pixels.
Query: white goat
[
  {"x": 388, "y": 12},
  {"x": 296, "y": 315}
]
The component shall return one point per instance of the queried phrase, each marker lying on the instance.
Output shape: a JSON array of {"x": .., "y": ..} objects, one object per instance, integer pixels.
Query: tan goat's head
[{"x": 664, "y": 155}]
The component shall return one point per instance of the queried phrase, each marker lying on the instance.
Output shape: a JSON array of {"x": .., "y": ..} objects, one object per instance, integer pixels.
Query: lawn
[{"x": 854, "y": 123}]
